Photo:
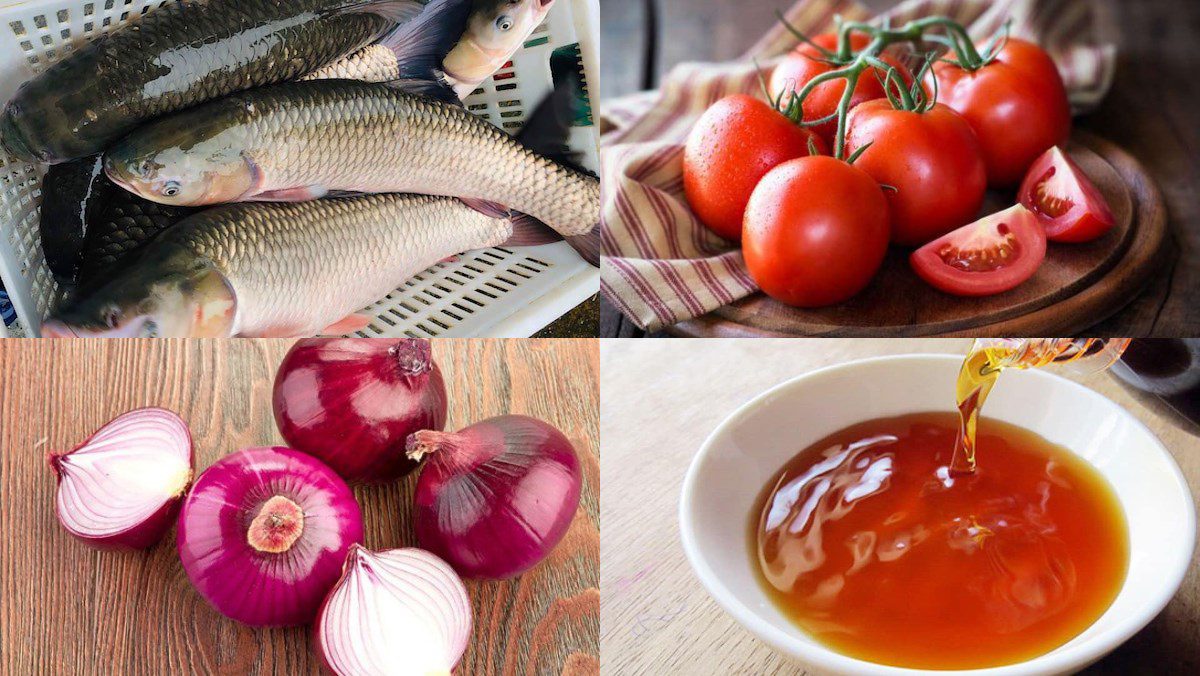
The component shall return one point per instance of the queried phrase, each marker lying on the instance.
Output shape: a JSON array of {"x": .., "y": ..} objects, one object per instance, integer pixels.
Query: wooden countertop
[
  {"x": 1149, "y": 112},
  {"x": 667, "y": 396},
  {"x": 68, "y": 609}
]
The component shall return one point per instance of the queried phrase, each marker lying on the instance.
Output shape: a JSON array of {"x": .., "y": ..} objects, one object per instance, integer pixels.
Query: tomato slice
[
  {"x": 1065, "y": 202},
  {"x": 990, "y": 256}
]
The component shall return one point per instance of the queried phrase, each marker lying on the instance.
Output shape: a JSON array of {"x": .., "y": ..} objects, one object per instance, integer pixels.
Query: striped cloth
[{"x": 661, "y": 265}]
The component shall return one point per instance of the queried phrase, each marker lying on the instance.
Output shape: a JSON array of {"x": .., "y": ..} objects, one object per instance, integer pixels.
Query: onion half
[
  {"x": 352, "y": 402},
  {"x": 264, "y": 532},
  {"x": 121, "y": 486},
  {"x": 494, "y": 498},
  {"x": 401, "y": 611}
]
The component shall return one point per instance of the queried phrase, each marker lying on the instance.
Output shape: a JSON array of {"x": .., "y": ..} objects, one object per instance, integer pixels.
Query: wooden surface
[
  {"x": 1149, "y": 112},
  {"x": 662, "y": 398},
  {"x": 1075, "y": 285},
  {"x": 68, "y": 609}
]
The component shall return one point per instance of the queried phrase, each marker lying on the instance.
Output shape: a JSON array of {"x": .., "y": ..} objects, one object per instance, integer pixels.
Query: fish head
[
  {"x": 500, "y": 26},
  {"x": 175, "y": 296},
  {"x": 184, "y": 161}
]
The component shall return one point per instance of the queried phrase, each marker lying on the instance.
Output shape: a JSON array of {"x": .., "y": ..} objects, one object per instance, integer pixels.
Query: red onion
[
  {"x": 495, "y": 497},
  {"x": 399, "y": 611},
  {"x": 352, "y": 403},
  {"x": 121, "y": 487},
  {"x": 264, "y": 533}
]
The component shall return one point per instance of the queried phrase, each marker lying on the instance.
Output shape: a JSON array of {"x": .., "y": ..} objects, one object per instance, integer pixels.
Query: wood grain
[
  {"x": 1149, "y": 111},
  {"x": 68, "y": 609},
  {"x": 660, "y": 399},
  {"x": 1075, "y": 285}
]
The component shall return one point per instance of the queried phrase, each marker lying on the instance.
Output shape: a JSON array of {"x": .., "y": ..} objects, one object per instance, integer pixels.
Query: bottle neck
[{"x": 1074, "y": 356}]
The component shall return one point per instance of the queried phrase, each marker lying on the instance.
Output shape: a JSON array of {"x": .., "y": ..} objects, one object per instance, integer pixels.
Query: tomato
[
  {"x": 733, "y": 144},
  {"x": 816, "y": 231},
  {"x": 933, "y": 161},
  {"x": 1065, "y": 202},
  {"x": 990, "y": 256},
  {"x": 803, "y": 64},
  {"x": 1016, "y": 104}
]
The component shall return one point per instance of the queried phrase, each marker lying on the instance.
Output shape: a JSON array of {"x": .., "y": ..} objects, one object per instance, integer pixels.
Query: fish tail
[
  {"x": 529, "y": 231},
  {"x": 422, "y": 43}
]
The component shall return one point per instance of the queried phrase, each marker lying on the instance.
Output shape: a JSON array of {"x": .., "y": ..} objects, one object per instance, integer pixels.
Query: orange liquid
[{"x": 874, "y": 548}]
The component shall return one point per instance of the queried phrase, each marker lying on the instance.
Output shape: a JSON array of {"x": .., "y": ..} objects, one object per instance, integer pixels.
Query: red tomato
[
  {"x": 733, "y": 144},
  {"x": 1065, "y": 202},
  {"x": 990, "y": 256},
  {"x": 932, "y": 159},
  {"x": 803, "y": 64},
  {"x": 1017, "y": 105},
  {"x": 816, "y": 231}
]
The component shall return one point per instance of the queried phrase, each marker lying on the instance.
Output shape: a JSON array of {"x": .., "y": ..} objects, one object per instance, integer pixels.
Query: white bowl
[{"x": 750, "y": 446}]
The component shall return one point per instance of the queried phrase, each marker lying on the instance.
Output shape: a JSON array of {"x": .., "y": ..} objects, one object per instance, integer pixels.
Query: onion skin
[
  {"x": 151, "y": 529},
  {"x": 265, "y": 588},
  {"x": 353, "y": 402},
  {"x": 410, "y": 599},
  {"x": 496, "y": 497}
]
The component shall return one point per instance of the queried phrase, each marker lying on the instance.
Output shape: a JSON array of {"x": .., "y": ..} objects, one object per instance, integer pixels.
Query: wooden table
[
  {"x": 68, "y": 609},
  {"x": 666, "y": 397},
  {"x": 1150, "y": 111}
]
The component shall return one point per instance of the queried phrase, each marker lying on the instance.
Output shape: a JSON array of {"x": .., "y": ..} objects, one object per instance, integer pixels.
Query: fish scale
[
  {"x": 355, "y": 136},
  {"x": 175, "y": 57},
  {"x": 297, "y": 268}
]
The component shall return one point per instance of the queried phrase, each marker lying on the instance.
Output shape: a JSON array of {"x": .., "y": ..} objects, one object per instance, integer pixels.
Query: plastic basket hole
[
  {"x": 473, "y": 301},
  {"x": 124, "y": 16},
  {"x": 464, "y": 308},
  {"x": 473, "y": 269},
  {"x": 398, "y": 313},
  {"x": 384, "y": 319},
  {"x": 410, "y": 334},
  {"x": 88, "y": 27},
  {"x": 451, "y": 315},
  {"x": 40, "y": 21},
  {"x": 17, "y": 27},
  {"x": 89, "y": 9},
  {"x": 63, "y": 16},
  {"x": 522, "y": 275},
  {"x": 408, "y": 307},
  {"x": 433, "y": 294},
  {"x": 428, "y": 331},
  {"x": 495, "y": 286},
  {"x": 537, "y": 261},
  {"x": 108, "y": 4},
  {"x": 486, "y": 293},
  {"x": 443, "y": 326},
  {"x": 507, "y": 281},
  {"x": 65, "y": 33}
]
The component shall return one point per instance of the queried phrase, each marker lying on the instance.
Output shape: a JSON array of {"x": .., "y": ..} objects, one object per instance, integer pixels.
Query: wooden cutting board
[{"x": 1077, "y": 286}]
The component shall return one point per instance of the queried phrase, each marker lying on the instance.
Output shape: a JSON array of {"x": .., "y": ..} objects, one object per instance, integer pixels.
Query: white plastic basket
[{"x": 498, "y": 292}]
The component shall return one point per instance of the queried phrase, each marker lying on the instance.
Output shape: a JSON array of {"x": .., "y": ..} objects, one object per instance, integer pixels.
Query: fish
[
  {"x": 180, "y": 55},
  {"x": 123, "y": 226},
  {"x": 73, "y": 194},
  {"x": 490, "y": 35},
  {"x": 285, "y": 269},
  {"x": 305, "y": 140},
  {"x": 495, "y": 30}
]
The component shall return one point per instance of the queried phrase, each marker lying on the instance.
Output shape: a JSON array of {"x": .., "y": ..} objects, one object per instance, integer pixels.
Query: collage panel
[
  {"x": 875, "y": 506},
  {"x": 290, "y": 168},
  {"x": 889, "y": 168},
  {"x": 339, "y": 506}
]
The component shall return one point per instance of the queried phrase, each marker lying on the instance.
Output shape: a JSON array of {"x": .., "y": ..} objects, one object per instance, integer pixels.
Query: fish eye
[
  {"x": 504, "y": 23},
  {"x": 171, "y": 189}
]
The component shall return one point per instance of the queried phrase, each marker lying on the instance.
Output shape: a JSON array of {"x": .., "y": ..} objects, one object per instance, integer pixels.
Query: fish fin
[
  {"x": 548, "y": 128},
  {"x": 421, "y": 44},
  {"x": 588, "y": 246},
  {"x": 301, "y": 194},
  {"x": 349, "y": 324},
  {"x": 398, "y": 11},
  {"x": 437, "y": 89},
  {"x": 527, "y": 230}
]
